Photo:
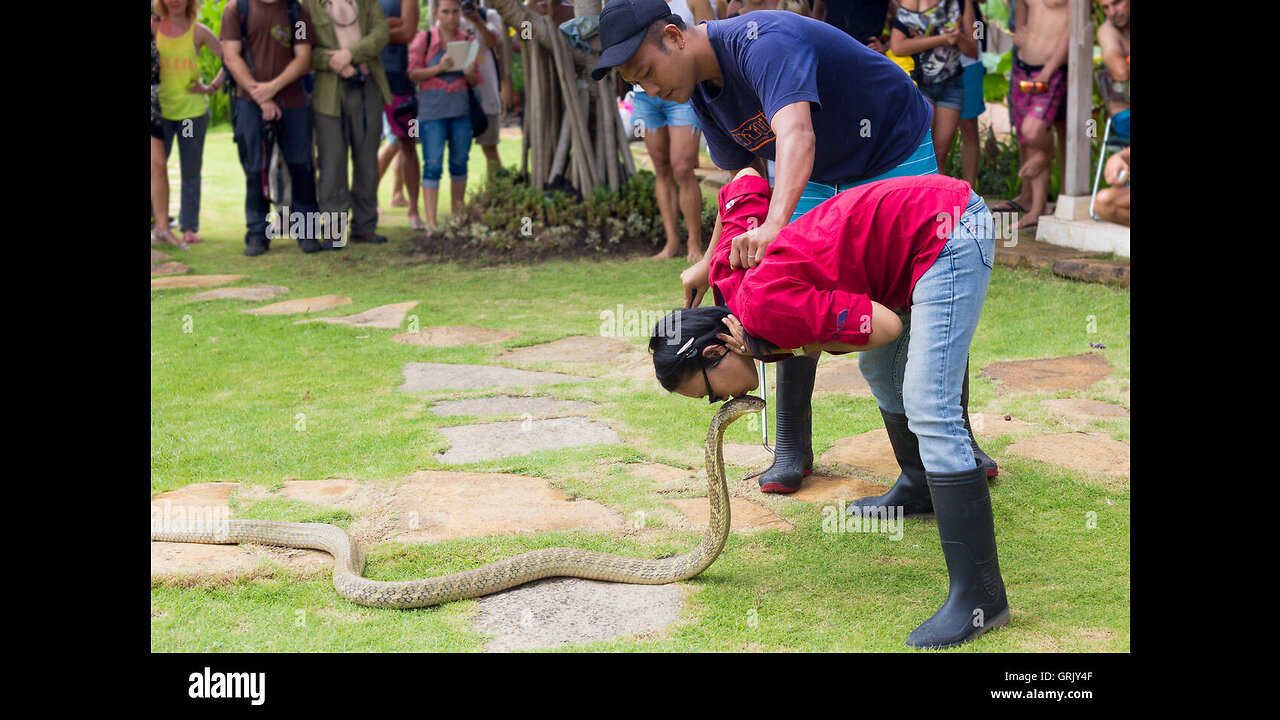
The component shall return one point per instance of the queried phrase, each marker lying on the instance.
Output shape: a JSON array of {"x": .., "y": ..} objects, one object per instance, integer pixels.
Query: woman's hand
[
  {"x": 445, "y": 64},
  {"x": 696, "y": 281},
  {"x": 736, "y": 338}
]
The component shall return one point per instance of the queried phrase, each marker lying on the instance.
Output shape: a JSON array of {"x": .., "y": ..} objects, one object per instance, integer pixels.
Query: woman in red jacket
[{"x": 898, "y": 271}]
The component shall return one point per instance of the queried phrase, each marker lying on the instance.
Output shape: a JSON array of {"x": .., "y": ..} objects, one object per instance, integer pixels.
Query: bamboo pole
[
  {"x": 609, "y": 110},
  {"x": 569, "y": 93},
  {"x": 535, "y": 111},
  {"x": 562, "y": 150}
]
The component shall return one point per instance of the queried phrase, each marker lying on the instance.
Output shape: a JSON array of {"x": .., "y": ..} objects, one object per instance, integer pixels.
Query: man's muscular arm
[{"x": 1112, "y": 52}]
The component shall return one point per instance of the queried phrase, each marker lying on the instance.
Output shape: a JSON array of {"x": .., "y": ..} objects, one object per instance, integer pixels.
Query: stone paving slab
[
  {"x": 829, "y": 489},
  {"x": 157, "y": 256},
  {"x": 839, "y": 374},
  {"x": 509, "y": 405},
  {"x": 193, "y": 281},
  {"x": 435, "y": 505},
  {"x": 1085, "y": 410},
  {"x": 870, "y": 452},
  {"x": 169, "y": 268},
  {"x": 1078, "y": 451},
  {"x": 580, "y": 350},
  {"x": 560, "y": 611},
  {"x": 744, "y": 515},
  {"x": 419, "y": 376},
  {"x": 1076, "y": 372},
  {"x": 390, "y": 317},
  {"x": 252, "y": 292},
  {"x": 472, "y": 443},
  {"x": 454, "y": 335},
  {"x": 300, "y": 305}
]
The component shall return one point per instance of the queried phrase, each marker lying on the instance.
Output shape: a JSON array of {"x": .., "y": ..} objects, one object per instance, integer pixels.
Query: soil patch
[
  {"x": 868, "y": 452},
  {"x": 1076, "y": 372},
  {"x": 581, "y": 350},
  {"x": 744, "y": 515},
  {"x": 1077, "y": 451}
]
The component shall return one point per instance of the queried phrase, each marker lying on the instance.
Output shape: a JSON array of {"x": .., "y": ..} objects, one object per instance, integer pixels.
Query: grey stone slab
[
  {"x": 419, "y": 376},
  {"x": 471, "y": 443},
  {"x": 509, "y": 405}
]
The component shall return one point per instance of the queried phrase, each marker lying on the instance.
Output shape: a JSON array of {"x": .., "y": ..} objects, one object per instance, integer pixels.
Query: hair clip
[{"x": 685, "y": 347}]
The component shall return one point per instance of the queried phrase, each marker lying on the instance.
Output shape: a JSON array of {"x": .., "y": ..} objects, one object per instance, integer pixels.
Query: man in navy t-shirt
[{"x": 830, "y": 112}]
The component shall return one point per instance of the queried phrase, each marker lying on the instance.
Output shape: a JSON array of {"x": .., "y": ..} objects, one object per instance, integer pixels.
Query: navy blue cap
[{"x": 623, "y": 24}]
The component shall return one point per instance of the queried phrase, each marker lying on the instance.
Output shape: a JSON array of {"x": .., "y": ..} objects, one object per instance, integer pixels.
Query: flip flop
[
  {"x": 417, "y": 225},
  {"x": 1007, "y": 205}
]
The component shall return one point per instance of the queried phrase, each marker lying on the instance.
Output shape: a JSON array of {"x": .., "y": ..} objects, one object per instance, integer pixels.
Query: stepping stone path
[
  {"x": 169, "y": 268},
  {"x": 1085, "y": 410},
  {"x": 752, "y": 455},
  {"x": 431, "y": 506},
  {"x": 839, "y": 374},
  {"x": 744, "y": 515},
  {"x": 390, "y": 317},
  {"x": 301, "y": 305},
  {"x": 665, "y": 478},
  {"x": 471, "y": 443},
  {"x": 193, "y": 281},
  {"x": 509, "y": 405},
  {"x": 454, "y": 335},
  {"x": 1077, "y": 451},
  {"x": 868, "y": 452},
  {"x": 157, "y": 256},
  {"x": 580, "y": 350},
  {"x": 995, "y": 424},
  {"x": 827, "y": 489},
  {"x": 209, "y": 503},
  {"x": 562, "y": 611},
  {"x": 1077, "y": 372},
  {"x": 254, "y": 292},
  {"x": 419, "y": 376}
]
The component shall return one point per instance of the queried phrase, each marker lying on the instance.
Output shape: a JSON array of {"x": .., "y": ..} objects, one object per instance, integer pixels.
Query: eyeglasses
[{"x": 711, "y": 397}]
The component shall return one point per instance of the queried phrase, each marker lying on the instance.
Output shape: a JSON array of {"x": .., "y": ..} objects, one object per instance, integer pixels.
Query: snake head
[{"x": 739, "y": 406}]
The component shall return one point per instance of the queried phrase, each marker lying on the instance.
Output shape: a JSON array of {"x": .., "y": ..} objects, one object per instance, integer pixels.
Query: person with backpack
[
  {"x": 444, "y": 107},
  {"x": 350, "y": 93},
  {"x": 267, "y": 50}
]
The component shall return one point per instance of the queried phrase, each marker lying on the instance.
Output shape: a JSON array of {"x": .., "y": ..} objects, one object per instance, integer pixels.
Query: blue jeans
[
  {"x": 922, "y": 161},
  {"x": 921, "y": 373},
  {"x": 190, "y": 133},
  {"x": 456, "y": 131},
  {"x": 294, "y": 135},
  {"x": 654, "y": 112}
]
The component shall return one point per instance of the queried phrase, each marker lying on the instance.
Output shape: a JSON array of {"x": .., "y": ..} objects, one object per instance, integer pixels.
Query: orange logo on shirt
[{"x": 754, "y": 133}]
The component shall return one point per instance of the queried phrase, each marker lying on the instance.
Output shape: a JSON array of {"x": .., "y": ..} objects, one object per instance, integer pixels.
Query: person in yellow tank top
[{"x": 184, "y": 101}]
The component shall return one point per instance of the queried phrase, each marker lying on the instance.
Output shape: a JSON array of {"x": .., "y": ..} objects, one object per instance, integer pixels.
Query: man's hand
[
  {"x": 263, "y": 92},
  {"x": 1115, "y": 164},
  {"x": 696, "y": 281},
  {"x": 339, "y": 59},
  {"x": 347, "y": 71},
  {"x": 270, "y": 110},
  {"x": 748, "y": 248},
  {"x": 736, "y": 338},
  {"x": 198, "y": 88},
  {"x": 875, "y": 44}
]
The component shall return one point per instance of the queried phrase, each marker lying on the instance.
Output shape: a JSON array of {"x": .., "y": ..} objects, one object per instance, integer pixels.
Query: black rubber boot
[
  {"x": 984, "y": 461},
  {"x": 911, "y": 491},
  {"x": 976, "y": 602},
  {"x": 793, "y": 451}
]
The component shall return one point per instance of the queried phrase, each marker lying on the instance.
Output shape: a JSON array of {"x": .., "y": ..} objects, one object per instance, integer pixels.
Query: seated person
[
  {"x": 1112, "y": 204},
  {"x": 897, "y": 270}
]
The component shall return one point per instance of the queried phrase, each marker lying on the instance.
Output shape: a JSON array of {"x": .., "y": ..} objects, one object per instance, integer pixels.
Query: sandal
[
  {"x": 168, "y": 237},
  {"x": 1008, "y": 205},
  {"x": 416, "y": 224},
  {"x": 190, "y": 237}
]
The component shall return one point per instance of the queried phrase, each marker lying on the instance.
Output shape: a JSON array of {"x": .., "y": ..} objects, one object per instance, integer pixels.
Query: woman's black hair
[{"x": 675, "y": 357}]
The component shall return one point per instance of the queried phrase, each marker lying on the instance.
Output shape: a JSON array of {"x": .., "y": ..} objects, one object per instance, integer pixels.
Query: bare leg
[
  {"x": 945, "y": 121},
  {"x": 458, "y": 191},
  {"x": 430, "y": 201},
  {"x": 160, "y": 194},
  {"x": 397, "y": 180},
  {"x": 412, "y": 178},
  {"x": 1035, "y": 171},
  {"x": 969, "y": 151},
  {"x": 491, "y": 156},
  {"x": 658, "y": 142},
  {"x": 1112, "y": 204},
  {"x": 684, "y": 157}
]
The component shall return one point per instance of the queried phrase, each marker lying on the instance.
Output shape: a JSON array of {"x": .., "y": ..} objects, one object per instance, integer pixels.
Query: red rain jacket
[{"x": 821, "y": 273}]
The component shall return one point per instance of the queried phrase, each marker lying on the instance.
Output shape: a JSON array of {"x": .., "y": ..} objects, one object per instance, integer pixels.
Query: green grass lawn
[{"x": 225, "y": 398}]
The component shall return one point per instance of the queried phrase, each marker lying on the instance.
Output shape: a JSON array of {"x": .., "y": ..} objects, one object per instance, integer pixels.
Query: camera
[{"x": 468, "y": 7}]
